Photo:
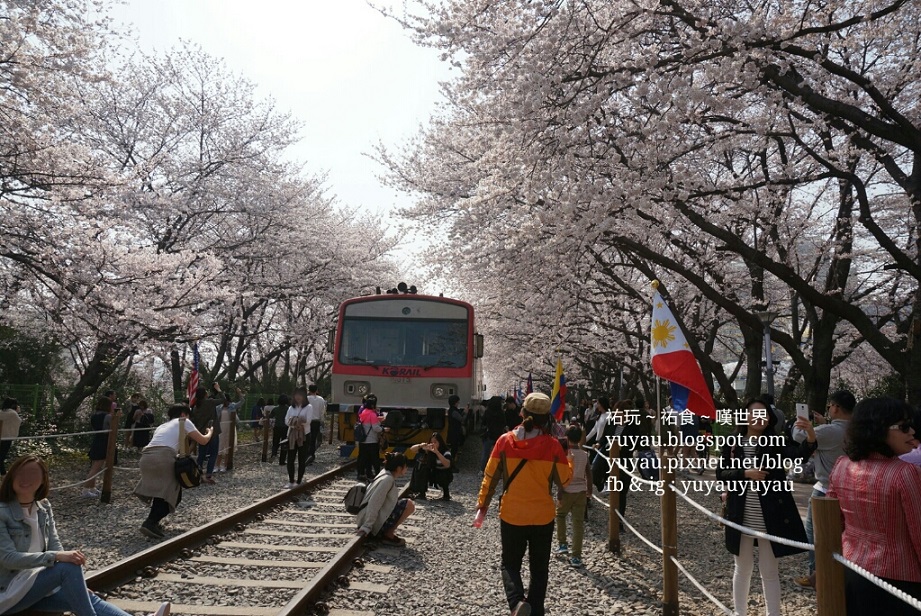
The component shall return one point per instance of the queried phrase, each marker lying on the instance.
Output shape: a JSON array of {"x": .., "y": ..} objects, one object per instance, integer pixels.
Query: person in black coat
[{"x": 757, "y": 498}]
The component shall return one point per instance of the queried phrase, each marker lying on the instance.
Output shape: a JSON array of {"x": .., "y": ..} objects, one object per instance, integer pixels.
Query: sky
[{"x": 352, "y": 76}]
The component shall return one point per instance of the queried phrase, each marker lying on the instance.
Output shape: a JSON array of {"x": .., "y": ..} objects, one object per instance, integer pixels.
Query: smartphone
[{"x": 802, "y": 410}]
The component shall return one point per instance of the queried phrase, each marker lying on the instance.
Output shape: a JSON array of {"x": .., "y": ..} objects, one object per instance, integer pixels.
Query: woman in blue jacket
[{"x": 35, "y": 570}]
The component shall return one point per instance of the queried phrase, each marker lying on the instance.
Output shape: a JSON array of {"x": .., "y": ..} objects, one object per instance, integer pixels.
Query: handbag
[{"x": 187, "y": 471}]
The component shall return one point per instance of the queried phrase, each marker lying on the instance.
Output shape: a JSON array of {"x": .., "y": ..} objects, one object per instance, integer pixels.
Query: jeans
[
  {"x": 313, "y": 439},
  {"x": 575, "y": 503},
  {"x": 72, "y": 596},
  {"x": 369, "y": 460},
  {"x": 488, "y": 444},
  {"x": 536, "y": 539},
  {"x": 209, "y": 450},
  {"x": 810, "y": 533},
  {"x": 301, "y": 454}
]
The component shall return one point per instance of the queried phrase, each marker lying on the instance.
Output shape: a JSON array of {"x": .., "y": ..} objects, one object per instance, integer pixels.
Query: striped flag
[
  {"x": 530, "y": 387},
  {"x": 558, "y": 397},
  {"x": 193, "y": 378},
  {"x": 673, "y": 361}
]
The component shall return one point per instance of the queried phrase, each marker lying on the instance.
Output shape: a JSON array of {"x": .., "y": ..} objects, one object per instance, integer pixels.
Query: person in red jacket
[{"x": 529, "y": 462}]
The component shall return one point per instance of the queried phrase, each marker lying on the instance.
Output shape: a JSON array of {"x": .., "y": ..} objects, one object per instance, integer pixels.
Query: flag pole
[{"x": 669, "y": 513}]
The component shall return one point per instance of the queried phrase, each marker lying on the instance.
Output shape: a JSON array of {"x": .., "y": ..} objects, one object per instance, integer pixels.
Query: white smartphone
[{"x": 802, "y": 410}]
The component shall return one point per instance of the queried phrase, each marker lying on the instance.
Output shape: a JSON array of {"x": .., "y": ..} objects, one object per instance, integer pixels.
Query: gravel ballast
[{"x": 450, "y": 568}]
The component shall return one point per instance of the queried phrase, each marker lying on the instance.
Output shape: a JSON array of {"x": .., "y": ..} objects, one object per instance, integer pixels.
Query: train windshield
[{"x": 427, "y": 343}]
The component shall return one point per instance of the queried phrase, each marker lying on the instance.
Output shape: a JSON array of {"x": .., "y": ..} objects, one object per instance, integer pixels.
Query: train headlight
[
  {"x": 440, "y": 391},
  {"x": 357, "y": 388}
]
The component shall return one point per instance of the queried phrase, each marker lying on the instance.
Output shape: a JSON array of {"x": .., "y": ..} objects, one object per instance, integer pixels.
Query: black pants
[
  {"x": 277, "y": 437},
  {"x": 537, "y": 540},
  {"x": 301, "y": 454},
  {"x": 313, "y": 438},
  {"x": 864, "y": 598},
  {"x": 4, "y": 452},
  {"x": 159, "y": 509},
  {"x": 369, "y": 460}
]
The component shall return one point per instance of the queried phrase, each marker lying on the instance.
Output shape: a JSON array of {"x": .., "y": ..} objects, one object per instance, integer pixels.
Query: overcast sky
[{"x": 351, "y": 75}]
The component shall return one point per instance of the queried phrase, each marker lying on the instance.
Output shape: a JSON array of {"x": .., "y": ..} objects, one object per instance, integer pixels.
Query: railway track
[{"x": 273, "y": 558}]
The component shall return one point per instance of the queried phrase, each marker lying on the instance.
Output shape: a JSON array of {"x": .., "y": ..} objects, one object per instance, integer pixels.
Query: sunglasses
[{"x": 904, "y": 427}]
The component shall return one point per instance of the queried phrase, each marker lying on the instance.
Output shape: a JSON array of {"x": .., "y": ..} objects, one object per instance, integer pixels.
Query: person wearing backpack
[
  {"x": 529, "y": 462},
  {"x": 381, "y": 509},
  {"x": 369, "y": 452}
]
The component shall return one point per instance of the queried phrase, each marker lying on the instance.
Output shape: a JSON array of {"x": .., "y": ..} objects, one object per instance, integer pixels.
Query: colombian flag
[
  {"x": 673, "y": 361},
  {"x": 558, "y": 398}
]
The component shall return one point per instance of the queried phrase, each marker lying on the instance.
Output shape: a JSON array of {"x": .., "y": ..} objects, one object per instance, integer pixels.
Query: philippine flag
[{"x": 673, "y": 361}]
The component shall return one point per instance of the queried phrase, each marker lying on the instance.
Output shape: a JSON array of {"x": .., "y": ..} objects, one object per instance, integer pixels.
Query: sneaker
[
  {"x": 522, "y": 609},
  {"x": 562, "y": 550},
  {"x": 575, "y": 562},
  {"x": 290, "y": 485},
  {"x": 149, "y": 530},
  {"x": 163, "y": 610},
  {"x": 805, "y": 581},
  {"x": 91, "y": 493}
]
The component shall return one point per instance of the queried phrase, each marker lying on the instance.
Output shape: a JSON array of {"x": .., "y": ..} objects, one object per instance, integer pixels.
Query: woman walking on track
[
  {"x": 35, "y": 571},
  {"x": 158, "y": 485},
  {"x": 528, "y": 461}
]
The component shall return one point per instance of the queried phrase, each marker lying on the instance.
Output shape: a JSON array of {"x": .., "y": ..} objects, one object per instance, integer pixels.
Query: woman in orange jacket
[{"x": 530, "y": 462}]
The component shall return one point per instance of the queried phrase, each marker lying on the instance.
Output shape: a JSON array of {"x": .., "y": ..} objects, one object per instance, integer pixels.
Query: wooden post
[
  {"x": 332, "y": 425},
  {"x": 829, "y": 573},
  {"x": 111, "y": 448},
  {"x": 669, "y": 539},
  {"x": 266, "y": 428},
  {"x": 614, "y": 499},
  {"x": 228, "y": 463}
]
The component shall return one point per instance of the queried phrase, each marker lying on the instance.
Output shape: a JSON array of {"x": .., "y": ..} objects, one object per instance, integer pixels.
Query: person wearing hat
[{"x": 528, "y": 461}]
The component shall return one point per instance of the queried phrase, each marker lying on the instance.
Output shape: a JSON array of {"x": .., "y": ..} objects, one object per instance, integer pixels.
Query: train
[{"x": 413, "y": 352}]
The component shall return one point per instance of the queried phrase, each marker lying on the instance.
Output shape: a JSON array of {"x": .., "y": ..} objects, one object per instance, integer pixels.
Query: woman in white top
[
  {"x": 298, "y": 421},
  {"x": 11, "y": 422},
  {"x": 158, "y": 485},
  {"x": 35, "y": 571}
]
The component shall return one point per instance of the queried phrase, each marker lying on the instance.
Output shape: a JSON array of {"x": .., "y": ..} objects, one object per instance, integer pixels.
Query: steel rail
[
  {"x": 125, "y": 570},
  {"x": 339, "y": 564}
]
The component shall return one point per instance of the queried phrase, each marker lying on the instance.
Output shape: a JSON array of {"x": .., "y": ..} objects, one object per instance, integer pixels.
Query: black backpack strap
[{"x": 511, "y": 478}]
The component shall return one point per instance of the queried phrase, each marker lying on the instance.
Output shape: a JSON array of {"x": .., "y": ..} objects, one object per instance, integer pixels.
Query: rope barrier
[
  {"x": 892, "y": 590},
  {"x": 79, "y": 483},
  {"x": 702, "y": 589},
  {"x": 739, "y": 527},
  {"x": 49, "y": 436}
]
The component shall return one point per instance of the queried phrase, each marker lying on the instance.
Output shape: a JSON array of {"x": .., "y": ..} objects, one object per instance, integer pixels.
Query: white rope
[
  {"x": 892, "y": 590},
  {"x": 79, "y": 483},
  {"x": 637, "y": 533},
  {"x": 48, "y": 436},
  {"x": 702, "y": 589},
  {"x": 744, "y": 529},
  {"x": 598, "y": 451},
  {"x": 649, "y": 482}
]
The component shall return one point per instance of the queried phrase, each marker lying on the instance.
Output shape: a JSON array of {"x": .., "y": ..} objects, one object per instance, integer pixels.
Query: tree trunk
[
  {"x": 107, "y": 357},
  {"x": 176, "y": 370}
]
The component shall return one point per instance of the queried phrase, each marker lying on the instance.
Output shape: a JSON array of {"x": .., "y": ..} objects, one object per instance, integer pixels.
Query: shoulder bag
[{"x": 188, "y": 473}]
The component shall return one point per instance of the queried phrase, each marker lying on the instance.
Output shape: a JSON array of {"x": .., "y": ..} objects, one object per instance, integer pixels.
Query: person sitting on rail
[
  {"x": 35, "y": 571},
  {"x": 433, "y": 467},
  {"x": 158, "y": 485},
  {"x": 880, "y": 500},
  {"x": 369, "y": 451},
  {"x": 382, "y": 511},
  {"x": 765, "y": 505}
]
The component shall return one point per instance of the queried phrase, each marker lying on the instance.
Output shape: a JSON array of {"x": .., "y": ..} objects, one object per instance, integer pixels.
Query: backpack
[
  {"x": 354, "y": 497},
  {"x": 360, "y": 433}
]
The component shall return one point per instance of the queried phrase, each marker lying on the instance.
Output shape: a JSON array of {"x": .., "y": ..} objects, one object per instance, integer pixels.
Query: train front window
[{"x": 403, "y": 342}]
